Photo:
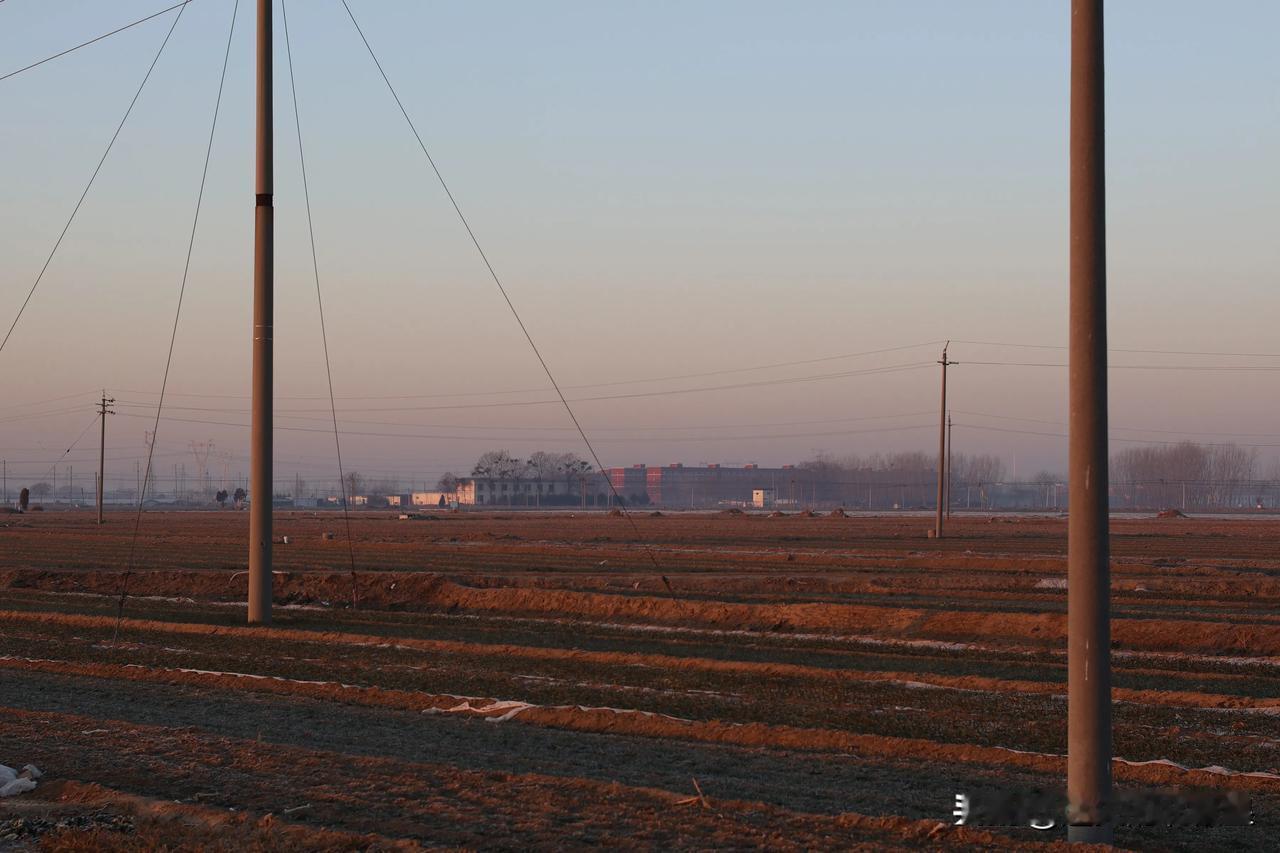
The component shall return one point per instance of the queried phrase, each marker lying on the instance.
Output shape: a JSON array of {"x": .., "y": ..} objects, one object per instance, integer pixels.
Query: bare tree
[
  {"x": 1231, "y": 466},
  {"x": 354, "y": 484},
  {"x": 500, "y": 465},
  {"x": 542, "y": 467},
  {"x": 1181, "y": 474},
  {"x": 575, "y": 470}
]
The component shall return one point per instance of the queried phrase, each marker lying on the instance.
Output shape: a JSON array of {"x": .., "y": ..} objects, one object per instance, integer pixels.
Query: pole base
[{"x": 1089, "y": 834}]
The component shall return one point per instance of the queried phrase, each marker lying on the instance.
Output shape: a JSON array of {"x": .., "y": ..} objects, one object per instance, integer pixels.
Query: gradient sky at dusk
[{"x": 666, "y": 189}]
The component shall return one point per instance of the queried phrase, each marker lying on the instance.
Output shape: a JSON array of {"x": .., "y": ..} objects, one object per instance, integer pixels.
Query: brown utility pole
[
  {"x": 260, "y": 487},
  {"x": 1088, "y": 572},
  {"x": 949, "y": 432},
  {"x": 942, "y": 445}
]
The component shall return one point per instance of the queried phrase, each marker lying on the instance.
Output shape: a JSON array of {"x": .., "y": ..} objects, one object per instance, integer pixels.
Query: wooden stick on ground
[{"x": 701, "y": 796}]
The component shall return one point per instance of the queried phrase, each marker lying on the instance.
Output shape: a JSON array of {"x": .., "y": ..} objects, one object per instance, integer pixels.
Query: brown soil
[{"x": 827, "y": 685}]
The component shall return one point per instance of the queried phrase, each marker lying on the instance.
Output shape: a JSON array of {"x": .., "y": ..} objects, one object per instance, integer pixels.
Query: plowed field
[{"x": 527, "y": 681}]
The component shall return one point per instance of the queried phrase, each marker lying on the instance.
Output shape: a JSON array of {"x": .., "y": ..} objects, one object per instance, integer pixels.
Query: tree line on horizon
[{"x": 1187, "y": 474}]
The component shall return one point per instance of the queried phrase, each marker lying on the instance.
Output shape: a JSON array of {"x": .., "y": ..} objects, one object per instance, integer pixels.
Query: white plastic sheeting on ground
[
  {"x": 14, "y": 782},
  {"x": 497, "y": 711}
]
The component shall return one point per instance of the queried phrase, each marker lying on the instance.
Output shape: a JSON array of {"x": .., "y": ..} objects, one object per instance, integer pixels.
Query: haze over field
[
  {"x": 668, "y": 190},
  {"x": 611, "y": 337}
]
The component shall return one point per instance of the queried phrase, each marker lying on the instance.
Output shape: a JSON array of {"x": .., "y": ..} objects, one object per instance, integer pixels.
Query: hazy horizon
[{"x": 672, "y": 195}]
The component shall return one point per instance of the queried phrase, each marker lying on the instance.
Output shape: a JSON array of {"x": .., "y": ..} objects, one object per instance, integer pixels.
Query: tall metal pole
[
  {"x": 260, "y": 487},
  {"x": 942, "y": 445},
  {"x": 1088, "y": 572}
]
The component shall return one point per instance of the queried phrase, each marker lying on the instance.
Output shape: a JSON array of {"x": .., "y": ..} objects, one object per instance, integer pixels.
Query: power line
[
  {"x": 93, "y": 40},
  {"x": 78, "y": 395},
  {"x": 177, "y": 316},
  {"x": 474, "y": 437},
  {"x": 1125, "y": 428},
  {"x": 501, "y": 288},
  {"x": 93, "y": 451},
  {"x": 70, "y": 447},
  {"x": 540, "y": 429},
  {"x": 773, "y": 366},
  {"x": 324, "y": 338},
  {"x": 1117, "y": 349},
  {"x": 182, "y": 8},
  {"x": 723, "y": 372},
  {"x": 38, "y": 415},
  {"x": 1112, "y": 438},
  {"x": 870, "y": 371},
  {"x": 1245, "y": 368}
]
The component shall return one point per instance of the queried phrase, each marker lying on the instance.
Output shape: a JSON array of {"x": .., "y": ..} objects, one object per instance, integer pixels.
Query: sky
[{"x": 676, "y": 196}]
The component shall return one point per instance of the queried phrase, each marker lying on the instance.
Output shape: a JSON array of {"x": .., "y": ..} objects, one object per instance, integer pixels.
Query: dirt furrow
[
  {"x": 432, "y": 592},
  {"x": 444, "y": 804}
]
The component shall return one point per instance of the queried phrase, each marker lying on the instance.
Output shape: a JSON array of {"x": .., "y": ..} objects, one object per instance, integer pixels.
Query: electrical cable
[
  {"x": 1125, "y": 428},
  {"x": 475, "y": 437},
  {"x": 70, "y": 447},
  {"x": 1138, "y": 351},
  {"x": 522, "y": 431},
  {"x": 759, "y": 383},
  {"x": 770, "y": 367},
  {"x": 324, "y": 338},
  {"x": 38, "y": 415},
  {"x": 173, "y": 335},
  {"x": 1246, "y": 368},
  {"x": 1111, "y": 438},
  {"x": 93, "y": 177},
  {"x": 93, "y": 40},
  {"x": 566, "y": 387},
  {"x": 502, "y": 289},
  {"x": 76, "y": 396}
]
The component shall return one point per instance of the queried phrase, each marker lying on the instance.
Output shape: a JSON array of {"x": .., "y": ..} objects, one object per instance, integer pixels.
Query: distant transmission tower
[
  {"x": 201, "y": 450},
  {"x": 150, "y": 438}
]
